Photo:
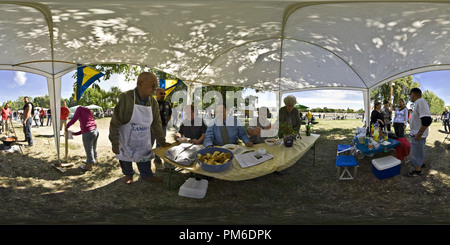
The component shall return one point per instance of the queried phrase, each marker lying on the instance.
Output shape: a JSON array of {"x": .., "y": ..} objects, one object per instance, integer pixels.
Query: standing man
[
  {"x": 165, "y": 112},
  {"x": 6, "y": 116},
  {"x": 420, "y": 120},
  {"x": 49, "y": 116},
  {"x": 64, "y": 115},
  {"x": 134, "y": 121},
  {"x": 42, "y": 116},
  {"x": 28, "y": 111},
  {"x": 446, "y": 119},
  {"x": 309, "y": 115}
]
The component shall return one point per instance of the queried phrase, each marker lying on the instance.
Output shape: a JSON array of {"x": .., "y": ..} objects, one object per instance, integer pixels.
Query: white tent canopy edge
[{"x": 54, "y": 76}]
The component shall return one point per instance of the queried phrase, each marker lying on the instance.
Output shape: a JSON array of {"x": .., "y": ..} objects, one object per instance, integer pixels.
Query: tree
[
  {"x": 131, "y": 73},
  {"x": 113, "y": 95},
  {"x": 435, "y": 103},
  {"x": 18, "y": 104},
  {"x": 12, "y": 105},
  {"x": 401, "y": 89},
  {"x": 42, "y": 101}
]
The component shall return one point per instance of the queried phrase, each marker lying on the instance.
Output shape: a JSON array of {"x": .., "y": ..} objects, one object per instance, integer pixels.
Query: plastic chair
[
  {"x": 343, "y": 149},
  {"x": 346, "y": 162}
]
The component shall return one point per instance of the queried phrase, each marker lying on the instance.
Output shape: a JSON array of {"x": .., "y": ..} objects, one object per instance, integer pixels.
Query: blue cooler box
[{"x": 386, "y": 167}]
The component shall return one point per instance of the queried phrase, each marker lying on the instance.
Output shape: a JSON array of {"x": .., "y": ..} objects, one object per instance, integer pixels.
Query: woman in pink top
[
  {"x": 6, "y": 116},
  {"x": 89, "y": 133}
]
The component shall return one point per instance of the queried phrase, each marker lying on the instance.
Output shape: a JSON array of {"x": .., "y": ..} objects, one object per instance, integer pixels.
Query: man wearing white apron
[{"x": 135, "y": 117}]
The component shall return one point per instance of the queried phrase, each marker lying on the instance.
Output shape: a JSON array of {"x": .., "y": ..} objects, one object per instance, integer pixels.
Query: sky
[{"x": 14, "y": 84}]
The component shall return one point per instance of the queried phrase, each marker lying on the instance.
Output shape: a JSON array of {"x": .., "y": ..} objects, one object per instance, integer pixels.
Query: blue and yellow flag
[
  {"x": 169, "y": 85},
  {"x": 85, "y": 77}
]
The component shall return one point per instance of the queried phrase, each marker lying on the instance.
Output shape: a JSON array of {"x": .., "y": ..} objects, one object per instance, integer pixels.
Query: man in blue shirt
[{"x": 218, "y": 134}]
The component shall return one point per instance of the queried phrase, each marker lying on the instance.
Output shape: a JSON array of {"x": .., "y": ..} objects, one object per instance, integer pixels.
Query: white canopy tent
[{"x": 276, "y": 45}]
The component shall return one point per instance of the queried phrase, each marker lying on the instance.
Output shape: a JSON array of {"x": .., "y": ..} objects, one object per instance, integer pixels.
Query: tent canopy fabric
[
  {"x": 273, "y": 45},
  {"x": 297, "y": 44}
]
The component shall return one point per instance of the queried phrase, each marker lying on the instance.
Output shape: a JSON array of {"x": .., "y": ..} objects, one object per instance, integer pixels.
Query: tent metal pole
[
  {"x": 366, "y": 95},
  {"x": 190, "y": 91},
  {"x": 54, "y": 104}
]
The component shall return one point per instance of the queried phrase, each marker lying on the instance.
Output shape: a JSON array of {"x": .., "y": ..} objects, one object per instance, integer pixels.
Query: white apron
[{"x": 135, "y": 143}]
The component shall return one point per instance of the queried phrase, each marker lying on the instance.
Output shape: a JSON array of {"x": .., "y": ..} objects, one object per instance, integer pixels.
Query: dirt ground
[{"x": 32, "y": 192}]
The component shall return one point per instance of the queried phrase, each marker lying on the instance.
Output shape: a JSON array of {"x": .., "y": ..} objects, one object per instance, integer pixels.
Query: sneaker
[
  {"x": 128, "y": 179},
  {"x": 413, "y": 173}
]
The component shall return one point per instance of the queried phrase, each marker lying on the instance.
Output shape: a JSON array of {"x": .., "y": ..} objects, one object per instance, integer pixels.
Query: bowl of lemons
[{"x": 214, "y": 159}]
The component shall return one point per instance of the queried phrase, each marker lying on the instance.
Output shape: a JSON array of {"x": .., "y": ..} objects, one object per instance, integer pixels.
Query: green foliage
[
  {"x": 131, "y": 72},
  {"x": 325, "y": 109},
  {"x": 42, "y": 101},
  {"x": 401, "y": 88},
  {"x": 286, "y": 130},
  {"x": 97, "y": 96},
  {"x": 436, "y": 104}
]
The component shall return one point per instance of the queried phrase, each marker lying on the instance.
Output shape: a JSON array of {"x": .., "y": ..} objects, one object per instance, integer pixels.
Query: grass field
[{"x": 31, "y": 192}]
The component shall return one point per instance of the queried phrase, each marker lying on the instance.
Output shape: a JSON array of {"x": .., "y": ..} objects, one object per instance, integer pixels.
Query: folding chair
[
  {"x": 343, "y": 150},
  {"x": 346, "y": 162}
]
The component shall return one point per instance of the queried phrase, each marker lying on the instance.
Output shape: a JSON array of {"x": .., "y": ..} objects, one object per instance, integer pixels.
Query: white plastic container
[
  {"x": 193, "y": 188},
  {"x": 386, "y": 167}
]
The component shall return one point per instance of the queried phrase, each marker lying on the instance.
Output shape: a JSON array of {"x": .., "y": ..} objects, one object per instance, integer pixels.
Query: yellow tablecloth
[{"x": 284, "y": 157}]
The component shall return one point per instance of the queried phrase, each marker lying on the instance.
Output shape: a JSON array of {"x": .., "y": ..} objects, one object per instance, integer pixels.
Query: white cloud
[{"x": 20, "y": 78}]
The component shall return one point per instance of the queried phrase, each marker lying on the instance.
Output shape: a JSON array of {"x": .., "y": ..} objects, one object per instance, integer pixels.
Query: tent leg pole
[{"x": 366, "y": 95}]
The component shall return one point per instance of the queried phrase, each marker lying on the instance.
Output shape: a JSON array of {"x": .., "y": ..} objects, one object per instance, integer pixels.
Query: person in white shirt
[
  {"x": 419, "y": 123},
  {"x": 400, "y": 119}
]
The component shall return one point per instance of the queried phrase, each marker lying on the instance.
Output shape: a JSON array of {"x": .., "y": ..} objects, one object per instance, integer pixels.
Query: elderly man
[
  {"x": 225, "y": 130},
  {"x": 289, "y": 115},
  {"x": 135, "y": 118},
  {"x": 420, "y": 121}
]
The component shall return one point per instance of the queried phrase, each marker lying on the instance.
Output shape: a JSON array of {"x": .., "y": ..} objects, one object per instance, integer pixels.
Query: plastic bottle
[{"x": 376, "y": 133}]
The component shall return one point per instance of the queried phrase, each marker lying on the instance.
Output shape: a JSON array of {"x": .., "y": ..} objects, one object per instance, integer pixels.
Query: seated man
[
  {"x": 225, "y": 130},
  {"x": 259, "y": 127},
  {"x": 192, "y": 127}
]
